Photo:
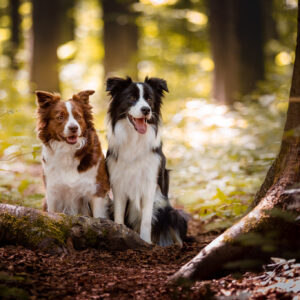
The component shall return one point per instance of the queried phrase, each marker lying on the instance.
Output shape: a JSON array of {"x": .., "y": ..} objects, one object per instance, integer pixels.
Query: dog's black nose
[
  {"x": 145, "y": 110},
  {"x": 73, "y": 128}
]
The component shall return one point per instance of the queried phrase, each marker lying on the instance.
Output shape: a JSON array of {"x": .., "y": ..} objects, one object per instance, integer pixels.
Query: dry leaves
[{"x": 93, "y": 274}]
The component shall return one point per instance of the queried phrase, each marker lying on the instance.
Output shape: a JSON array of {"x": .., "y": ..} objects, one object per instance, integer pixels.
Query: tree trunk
[
  {"x": 269, "y": 25},
  {"x": 236, "y": 30},
  {"x": 120, "y": 37},
  {"x": 15, "y": 31},
  {"x": 57, "y": 232},
  {"x": 67, "y": 20},
  {"x": 46, "y": 36},
  {"x": 274, "y": 221}
]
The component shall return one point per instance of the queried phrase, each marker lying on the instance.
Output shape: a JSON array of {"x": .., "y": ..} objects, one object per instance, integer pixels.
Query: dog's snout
[
  {"x": 145, "y": 110},
  {"x": 73, "y": 128}
]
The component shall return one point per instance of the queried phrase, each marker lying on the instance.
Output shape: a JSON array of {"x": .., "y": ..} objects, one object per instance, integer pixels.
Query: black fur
[
  {"x": 168, "y": 224},
  {"x": 112, "y": 154},
  {"x": 163, "y": 173},
  {"x": 169, "y": 221},
  {"x": 125, "y": 93}
]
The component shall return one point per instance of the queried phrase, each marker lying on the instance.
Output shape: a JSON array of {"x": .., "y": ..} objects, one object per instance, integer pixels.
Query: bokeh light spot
[
  {"x": 283, "y": 58},
  {"x": 66, "y": 51}
]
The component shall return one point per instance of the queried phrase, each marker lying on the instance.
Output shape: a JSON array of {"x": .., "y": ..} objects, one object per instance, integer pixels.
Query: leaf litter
[{"x": 133, "y": 274}]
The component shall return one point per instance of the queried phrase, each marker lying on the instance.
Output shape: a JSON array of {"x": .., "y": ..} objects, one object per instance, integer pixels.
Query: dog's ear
[
  {"x": 159, "y": 85},
  {"x": 45, "y": 99},
  {"x": 83, "y": 96},
  {"x": 116, "y": 84}
]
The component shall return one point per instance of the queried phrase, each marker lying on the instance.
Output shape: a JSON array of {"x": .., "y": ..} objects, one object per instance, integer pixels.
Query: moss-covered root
[
  {"x": 212, "y": 258},
  {"x": 265, "y": 231},
  {"x": 32, "y": 228},
  {"x": 56, "y": 232}
]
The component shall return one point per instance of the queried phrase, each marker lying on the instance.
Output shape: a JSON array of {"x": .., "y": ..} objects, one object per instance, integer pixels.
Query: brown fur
[
  {"x": 51, "y": 119},
  {"x": 102, "y": 179}
]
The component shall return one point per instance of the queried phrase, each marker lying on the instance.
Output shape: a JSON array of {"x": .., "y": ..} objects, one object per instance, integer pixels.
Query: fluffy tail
[{"x": 169, "y": 226}]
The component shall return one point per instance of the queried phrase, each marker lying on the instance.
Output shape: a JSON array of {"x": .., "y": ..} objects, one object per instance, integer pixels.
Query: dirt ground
[{"x": 94, "y": 274}]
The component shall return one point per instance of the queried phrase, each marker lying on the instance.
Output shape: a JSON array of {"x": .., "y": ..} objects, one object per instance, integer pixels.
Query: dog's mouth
[
  {"x": 139, "y": 124},
  {"x": 72, "y": 139}
]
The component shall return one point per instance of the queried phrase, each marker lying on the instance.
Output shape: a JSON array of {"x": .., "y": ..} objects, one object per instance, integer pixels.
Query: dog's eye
[
  {"x": 78, "y": 117},
  {"x": 60, "y": 117}
]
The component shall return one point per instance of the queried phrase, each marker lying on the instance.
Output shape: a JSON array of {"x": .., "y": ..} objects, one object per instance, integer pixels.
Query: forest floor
[{"x": 132, "y": 274}]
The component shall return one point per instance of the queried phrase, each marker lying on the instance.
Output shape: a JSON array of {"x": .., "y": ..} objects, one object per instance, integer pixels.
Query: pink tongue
[
  {"x": 72, "y": 139},
  {"x": 140, "y": 125}
]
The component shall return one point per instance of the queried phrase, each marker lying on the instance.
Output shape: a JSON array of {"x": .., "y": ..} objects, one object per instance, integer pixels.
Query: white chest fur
[
  {"x": 134, "y": 173},
  {"x": 67, "y": 190}
]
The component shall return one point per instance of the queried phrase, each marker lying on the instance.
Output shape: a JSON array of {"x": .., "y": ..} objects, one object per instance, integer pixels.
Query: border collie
[
  {"x": 136, "y": 163},
  {"x": 74, "y": 168}
]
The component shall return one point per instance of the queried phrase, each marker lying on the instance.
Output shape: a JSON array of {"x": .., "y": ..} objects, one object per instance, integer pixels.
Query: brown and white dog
[{"x": 75, "y": 175}]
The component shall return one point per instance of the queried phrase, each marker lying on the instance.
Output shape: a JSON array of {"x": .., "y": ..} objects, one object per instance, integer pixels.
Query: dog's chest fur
[
  {"x": 132, "y": 163},
  {"x": 69, "y": 189}
]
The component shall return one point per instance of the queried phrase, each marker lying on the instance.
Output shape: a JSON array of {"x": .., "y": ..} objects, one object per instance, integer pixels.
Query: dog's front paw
[{"x": 146, "y": 238}]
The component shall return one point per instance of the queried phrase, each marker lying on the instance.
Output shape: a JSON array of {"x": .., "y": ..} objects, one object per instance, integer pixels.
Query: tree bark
[
  {"x": 277, "y": 207},
  {"x": 56, "y": 233},
  {"x": 67, "y": 21},
  {"x": 15, "y": 31},
  {"x": 269, "y": 25},
  {"x": 120, "y": 37},
  {"x": 236, "y": 30},
  {"x": 46, "y": 36}
]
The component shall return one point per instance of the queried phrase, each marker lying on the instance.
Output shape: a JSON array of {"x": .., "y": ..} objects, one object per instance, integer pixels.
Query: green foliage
[{"x": 219, "y": 157}]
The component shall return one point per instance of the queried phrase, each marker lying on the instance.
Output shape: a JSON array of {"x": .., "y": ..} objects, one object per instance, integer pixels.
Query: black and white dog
[{"x": 136, "y": 163}]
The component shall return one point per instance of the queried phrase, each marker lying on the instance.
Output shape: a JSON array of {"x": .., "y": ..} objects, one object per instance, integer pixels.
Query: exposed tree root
[
  {"x": 267, "y": 230},
  {"x": 57, "y": 232}
]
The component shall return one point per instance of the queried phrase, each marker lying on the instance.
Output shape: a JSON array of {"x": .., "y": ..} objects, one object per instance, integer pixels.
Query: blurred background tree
[
  {"x": 46, "y": 27},
  {"x": 236, "y": 34},
  {"x": 15, "y": 30},
  {"x": 228, "y": 65},
  {"x": 120, "y": 37}
]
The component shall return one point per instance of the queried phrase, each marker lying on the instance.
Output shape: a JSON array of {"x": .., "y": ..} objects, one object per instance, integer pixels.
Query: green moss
[
  {"x": 12, "y": 292},
  {"x": 104, "y": 232},
  {"x": 227, "y": 238},
  {"x": 19, "y": 277},
  {"x": 34, "y": 230},
  {"x": 249, "y": 224},
  {"x": 91, "y": 237}
]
